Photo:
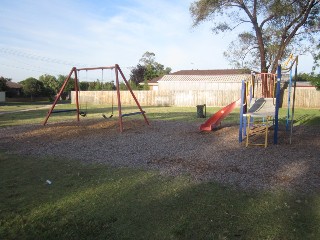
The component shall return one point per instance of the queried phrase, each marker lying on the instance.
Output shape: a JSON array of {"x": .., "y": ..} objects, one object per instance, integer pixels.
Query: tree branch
[
  {"x": 255, "y": 8},
  {"x": 305, "y": 15},
  {"x": 266, "y": 20}
]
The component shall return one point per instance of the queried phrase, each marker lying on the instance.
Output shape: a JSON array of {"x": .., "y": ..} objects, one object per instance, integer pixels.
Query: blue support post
[
  {"x": 243, "y": 86},
  {"x": 289, "y": 101},
  {"x": 276, "y": 117}
]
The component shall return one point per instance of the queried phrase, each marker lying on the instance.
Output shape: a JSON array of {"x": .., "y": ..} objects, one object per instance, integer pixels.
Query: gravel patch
[{"x": 176, "y": 148}]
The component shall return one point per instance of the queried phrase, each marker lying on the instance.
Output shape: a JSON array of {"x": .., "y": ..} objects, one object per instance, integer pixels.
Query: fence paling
[{"x": 305, "y": 97}]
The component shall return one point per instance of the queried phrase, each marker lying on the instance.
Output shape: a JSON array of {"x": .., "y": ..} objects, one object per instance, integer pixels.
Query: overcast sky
[{"x": 49, "y": 37}]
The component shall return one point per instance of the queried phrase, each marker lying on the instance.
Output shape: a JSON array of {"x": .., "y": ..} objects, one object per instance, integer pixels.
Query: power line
[
  {"x": 39, "y": 58},
  {"x": 44, "y": 70},
  {"x": 27, "y": 68}
]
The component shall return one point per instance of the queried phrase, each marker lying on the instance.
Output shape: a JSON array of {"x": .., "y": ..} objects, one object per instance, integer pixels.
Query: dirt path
[{"x": 26, "y": 110}]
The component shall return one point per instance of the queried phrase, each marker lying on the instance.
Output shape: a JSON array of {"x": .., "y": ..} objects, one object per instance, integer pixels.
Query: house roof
[
  {"x": 217, "y": 75},
  {"x": 212, "y": 72},
  {"x": 304, "y": 84},
  {"x": 155, "y": 80},
  {"x": 13, "y": 85},
  {"x": 205, "y": 78}
]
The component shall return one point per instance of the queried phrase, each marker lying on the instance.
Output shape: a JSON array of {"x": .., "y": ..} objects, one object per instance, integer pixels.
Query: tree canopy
[
  {"x": 147, "y": 69},
  {"x": 50, "y": 82},
  {"x": 312, "y": 78},
  {"x": 32, "y": 87},
  {"x": 3, "y": 84},
  {"x": 273, "y": 28}
]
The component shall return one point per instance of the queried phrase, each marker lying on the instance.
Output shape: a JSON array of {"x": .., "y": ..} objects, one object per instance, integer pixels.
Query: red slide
[{"x": 216, "y": 118}]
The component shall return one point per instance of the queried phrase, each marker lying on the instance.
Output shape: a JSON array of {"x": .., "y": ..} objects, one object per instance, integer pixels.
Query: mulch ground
[{"x": 176, "y": 148}]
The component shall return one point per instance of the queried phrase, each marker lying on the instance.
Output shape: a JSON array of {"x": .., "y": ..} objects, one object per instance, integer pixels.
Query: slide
[{"x": 216, "y": 118}]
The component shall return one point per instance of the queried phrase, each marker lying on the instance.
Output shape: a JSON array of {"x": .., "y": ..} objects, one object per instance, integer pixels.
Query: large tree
[
  {"x": 147, "y": 69},
  {"x": 70, "y": 85},
  {"x": 137, "y": 74},
  {"x": 32, "y": 87},
  {"x": 276, "y": 28},
  {"x": 3, "y": 84},
  {"x": 316, "y": 57},
  {"x": 50, "y": 82},
  {"x": 312, "y": 78}
]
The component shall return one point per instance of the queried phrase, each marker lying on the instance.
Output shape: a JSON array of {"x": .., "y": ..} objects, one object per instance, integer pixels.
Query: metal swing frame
[{"x": 118, "y": 72}]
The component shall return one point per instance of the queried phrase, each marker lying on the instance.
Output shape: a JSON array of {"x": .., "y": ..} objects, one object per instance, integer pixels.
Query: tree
[
  {"x": 316, "y": 57},
  {"x": 51, "y": 82},
  {"x": 84, "y": 86},
  {"x": 137, "y": 74},
  {"x": 70, "y": 85},
  {"x": 312, "y": 78},
  {"x": 277, "y": 28},
  {"x": 3, "y": 84},
  {"x": 147, "y": 69},
  {"x": 32, "y": 87},
  {"x": 152, "y": 68},
  {"x": 148, "y": 58},
  {"x": 146, "y": 85}
]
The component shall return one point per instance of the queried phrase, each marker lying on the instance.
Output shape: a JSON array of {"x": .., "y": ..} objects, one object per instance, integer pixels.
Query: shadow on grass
[
  {"x": 99, "y": 202},
  {"x": 308, "y": 119}
]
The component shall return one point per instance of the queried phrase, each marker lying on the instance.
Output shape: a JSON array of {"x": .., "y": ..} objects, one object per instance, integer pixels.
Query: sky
[{"x": 51, "y": 36}]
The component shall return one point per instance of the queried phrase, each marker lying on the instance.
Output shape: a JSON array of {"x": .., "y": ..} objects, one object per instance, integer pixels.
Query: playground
[
  {"x": 143, "y": 172},
  {"x": 180, "y": 147},
  {"x": 177, "y": 148},
  {"x": 166, "y": 180}
]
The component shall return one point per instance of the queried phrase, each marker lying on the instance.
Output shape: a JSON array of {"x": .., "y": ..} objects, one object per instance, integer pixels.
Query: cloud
[{"x": 100, "y": 33}]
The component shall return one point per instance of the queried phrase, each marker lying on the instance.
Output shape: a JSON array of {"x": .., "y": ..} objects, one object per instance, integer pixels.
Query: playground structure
[
  {"x": 74, "y": 71},
  {"x": 259, "y": 105}
]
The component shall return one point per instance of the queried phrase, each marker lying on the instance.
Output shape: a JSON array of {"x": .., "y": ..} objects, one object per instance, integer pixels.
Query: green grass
[
  {"x": 99, "y": 202},
  {"x": 96, "y": 111},
  {"x": 187, "y": 114}
]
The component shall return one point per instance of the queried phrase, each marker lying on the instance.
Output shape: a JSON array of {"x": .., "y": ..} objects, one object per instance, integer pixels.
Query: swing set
[{"x": 75, "y": 71}]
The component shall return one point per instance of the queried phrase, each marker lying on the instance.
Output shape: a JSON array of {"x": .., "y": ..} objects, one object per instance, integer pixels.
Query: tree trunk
[{"x": 257, "y": 29}]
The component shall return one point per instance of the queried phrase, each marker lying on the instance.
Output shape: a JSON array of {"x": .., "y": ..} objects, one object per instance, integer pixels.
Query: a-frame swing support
[
  {"x": 76, "y": 88},
  {"x": 117, "y": 70}
]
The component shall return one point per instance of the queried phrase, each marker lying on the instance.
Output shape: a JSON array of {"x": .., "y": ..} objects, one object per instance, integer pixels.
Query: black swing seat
[
  {"x": 105, "y": 117},
  {"x": 64, "y": 110},
  {"x": 83, "y": 114},
  {"x": 130, "y": 114}
]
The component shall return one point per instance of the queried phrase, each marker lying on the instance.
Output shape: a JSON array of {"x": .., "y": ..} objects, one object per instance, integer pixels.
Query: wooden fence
[
  {"x": 305, "y": 97},
  {"x": 2, "y": 96}
]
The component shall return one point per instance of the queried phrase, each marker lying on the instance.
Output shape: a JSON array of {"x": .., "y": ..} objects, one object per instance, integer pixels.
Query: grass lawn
[
  {"x": 92, "y": 201},
  {"x": 302, "y": 116},
  {"x": 99, "y": 202}
]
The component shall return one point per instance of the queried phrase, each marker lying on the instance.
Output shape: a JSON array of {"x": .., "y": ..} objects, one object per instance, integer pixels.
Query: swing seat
[
  {"x": 64, "y": 110},
  {"x": 130, "y": 114},
  {"x": 105, "y": 117},
  {"x": 83, "y": 114}
]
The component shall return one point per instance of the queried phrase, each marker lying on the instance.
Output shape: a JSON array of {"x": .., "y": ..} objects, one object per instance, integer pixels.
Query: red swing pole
[
  {"x": 59, "y": 95},
  {"x": 76, "y": 88},
  {"x": 134, "y": 97},
  {"x": 118, "y": 97}
]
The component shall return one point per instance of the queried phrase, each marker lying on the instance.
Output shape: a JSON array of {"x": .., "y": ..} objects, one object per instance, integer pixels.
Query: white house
[{"x": 225, "y": 79}]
